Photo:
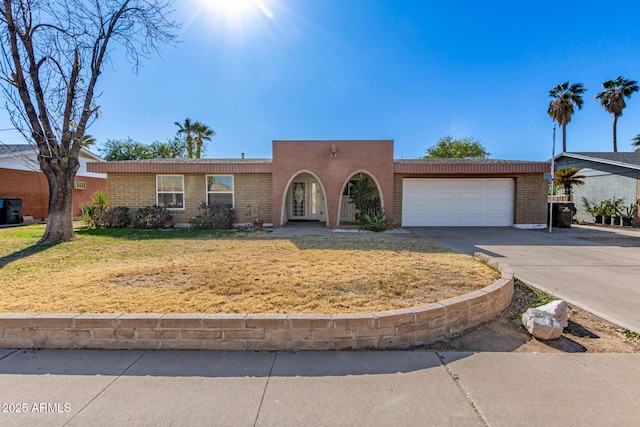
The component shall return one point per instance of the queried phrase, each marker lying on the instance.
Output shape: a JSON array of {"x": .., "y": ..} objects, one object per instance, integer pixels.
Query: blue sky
[{"x": 411, "y": 71}]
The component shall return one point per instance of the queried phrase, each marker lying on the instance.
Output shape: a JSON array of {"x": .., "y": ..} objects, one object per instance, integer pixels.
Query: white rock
[
  {"x": 541, "y": 324},
  {"x": 559, "y": 310}
]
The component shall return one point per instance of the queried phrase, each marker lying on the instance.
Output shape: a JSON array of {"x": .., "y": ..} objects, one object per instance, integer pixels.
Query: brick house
[
  {"x": 21, "y": 178},
  {"x": 311, "y": 181}
]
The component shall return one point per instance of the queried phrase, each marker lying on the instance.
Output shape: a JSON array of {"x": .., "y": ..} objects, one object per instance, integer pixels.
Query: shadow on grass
[
  {"x": 23, "y": 253},
  {"x": 361, "y": 242}
]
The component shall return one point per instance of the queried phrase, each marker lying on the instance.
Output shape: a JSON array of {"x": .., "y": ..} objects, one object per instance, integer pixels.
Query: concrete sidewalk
[
  {"x": 593, "y": 268},
  {"x": 193, "y": 388}
]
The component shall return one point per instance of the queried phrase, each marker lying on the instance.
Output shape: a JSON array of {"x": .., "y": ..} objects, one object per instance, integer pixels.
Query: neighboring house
[
  {"x": 21, "y": 178},
  {"x": 607, "y": 175},
  {"x": 311, "y": 181}
]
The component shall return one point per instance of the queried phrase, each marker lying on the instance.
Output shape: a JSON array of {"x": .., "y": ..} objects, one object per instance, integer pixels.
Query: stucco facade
[
  {"x": 607, "y": 175},
  {"x": 310, "y": 181}
]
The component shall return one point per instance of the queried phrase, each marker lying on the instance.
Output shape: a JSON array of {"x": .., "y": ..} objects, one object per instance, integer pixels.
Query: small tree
[
  {"x": 369, "y": 212},
  {"x": 124, "y": 149},
  {"x": 567, "y": 178},
  {"x": 449, "y": 148},
  {"x": 172, "y": 148}
]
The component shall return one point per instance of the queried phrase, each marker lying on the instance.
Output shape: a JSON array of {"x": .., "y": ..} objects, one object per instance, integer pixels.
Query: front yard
[{"x": 180, "y": 271}]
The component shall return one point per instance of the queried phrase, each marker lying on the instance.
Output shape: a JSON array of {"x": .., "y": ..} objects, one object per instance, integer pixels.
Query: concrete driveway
[{"x": 592, "y": 268}]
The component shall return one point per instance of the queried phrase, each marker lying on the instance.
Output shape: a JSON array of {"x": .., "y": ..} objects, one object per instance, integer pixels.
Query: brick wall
[
  {"x": 397, "y": 200},
  {"x": 139, "y": 190},
  {"x": 33, "y": 188},
  {"x": 388, "y": 329},
  {"x": 84, "y": 196},
  {"x": 530, "y": 199},
  {"x": 252, "y": 188}
]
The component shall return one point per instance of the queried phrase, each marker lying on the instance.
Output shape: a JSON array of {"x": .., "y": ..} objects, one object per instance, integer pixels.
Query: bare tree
[{"x": 51, "y": 55}]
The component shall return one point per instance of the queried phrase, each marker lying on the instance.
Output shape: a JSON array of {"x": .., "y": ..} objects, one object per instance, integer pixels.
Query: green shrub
[
  {"x": 374, "y": 221},
  {"x": 152, "y": 217},
  {"x": 213, "y": 217},
  {"x": 117, "y": 217},
  {"x": 369, "y": 212},
  {"x": 91, "y": 211}
]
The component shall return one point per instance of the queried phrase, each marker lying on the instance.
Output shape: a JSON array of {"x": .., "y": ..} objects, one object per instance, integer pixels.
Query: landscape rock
[
  {"x": 559, "y": 310},
  {"x": 541, "y": 324}
]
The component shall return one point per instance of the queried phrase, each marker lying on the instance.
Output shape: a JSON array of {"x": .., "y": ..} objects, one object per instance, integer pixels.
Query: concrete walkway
[
  {"x": 593, "y": 268},
  {"x": 413, "y": 388}
]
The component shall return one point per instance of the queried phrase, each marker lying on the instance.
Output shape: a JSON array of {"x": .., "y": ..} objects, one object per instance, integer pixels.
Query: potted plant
[
  {"x": 252, "y": 213},
  {"x": 617, "y": 205},
  {"x": 598, "y": 212},
  {"x": 591, "y": 210},
  {"x": 629, "y": 214},
  {"x": 607, "y": 212}
]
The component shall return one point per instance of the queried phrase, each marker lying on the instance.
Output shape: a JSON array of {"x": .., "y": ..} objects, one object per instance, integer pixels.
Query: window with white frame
[
  {"x": 220, "y": 190},
  {"x": 170, "y": 191}
]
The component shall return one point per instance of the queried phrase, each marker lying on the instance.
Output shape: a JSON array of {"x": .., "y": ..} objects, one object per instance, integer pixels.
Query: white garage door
[{"x": 455, "y": 202}]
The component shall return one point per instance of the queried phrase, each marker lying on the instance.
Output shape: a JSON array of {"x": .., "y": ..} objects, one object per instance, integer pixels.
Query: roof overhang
[
  {"x": 445, "y": 167},
  {"x": 180, "y": 167},
  {"x": 598, "y": 160}
]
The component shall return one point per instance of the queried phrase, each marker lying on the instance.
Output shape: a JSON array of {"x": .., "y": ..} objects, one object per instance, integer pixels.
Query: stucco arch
[
  {"x": 346, "y": 181},
  {"x": 283, "y": 207}
]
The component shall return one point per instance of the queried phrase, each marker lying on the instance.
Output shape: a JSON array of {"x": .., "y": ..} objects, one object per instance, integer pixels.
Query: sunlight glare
[
  {"x": 238, "y": 8},
  {"x": 237, "y": 18}
]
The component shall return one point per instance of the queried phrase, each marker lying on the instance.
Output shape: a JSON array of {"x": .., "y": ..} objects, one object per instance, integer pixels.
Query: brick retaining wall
[{"x": 388, "y": 329}]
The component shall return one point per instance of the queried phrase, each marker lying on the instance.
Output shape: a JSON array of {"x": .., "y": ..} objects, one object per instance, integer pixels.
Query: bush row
[{"x": 97, "y": 214}]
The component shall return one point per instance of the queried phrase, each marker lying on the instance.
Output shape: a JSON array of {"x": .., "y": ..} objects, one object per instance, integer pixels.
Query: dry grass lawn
[{"x": 132, "y": 271}]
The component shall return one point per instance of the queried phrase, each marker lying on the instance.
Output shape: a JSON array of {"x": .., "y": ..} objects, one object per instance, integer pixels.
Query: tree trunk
[
  {"x": 615, "y": 139},
  {"x": 189, "y": 147},
  {"x": 564, "y": 138},
  {"x": 59, "y": 220}
]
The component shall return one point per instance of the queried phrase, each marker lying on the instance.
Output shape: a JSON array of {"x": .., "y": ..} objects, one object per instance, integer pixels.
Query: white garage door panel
[{"x": 457, "y": 202}]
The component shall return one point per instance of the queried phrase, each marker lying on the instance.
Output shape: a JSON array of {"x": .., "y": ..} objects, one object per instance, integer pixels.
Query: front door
[{"x": 299, "y": 200}]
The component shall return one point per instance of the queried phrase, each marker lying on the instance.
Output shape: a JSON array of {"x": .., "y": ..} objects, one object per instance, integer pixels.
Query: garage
[{"x": 457, "y": 202}]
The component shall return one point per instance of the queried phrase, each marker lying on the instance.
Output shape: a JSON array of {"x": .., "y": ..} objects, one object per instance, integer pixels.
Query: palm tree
[
  {"x": 86, "y": 140},
  {"x": 612, "y": 98},
  {"x": 635, "y": 142},
  {"x": 567, "y": 178},
  {"x": 187, "y": 129},
  {"x": 202, "y": 133},
  {"x": 564, "y": 99}
]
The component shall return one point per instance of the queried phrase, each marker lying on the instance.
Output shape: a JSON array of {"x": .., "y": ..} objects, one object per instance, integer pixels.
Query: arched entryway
[
  {"x": 304, "y": 199},
  {"x": 346, "y": 209}
]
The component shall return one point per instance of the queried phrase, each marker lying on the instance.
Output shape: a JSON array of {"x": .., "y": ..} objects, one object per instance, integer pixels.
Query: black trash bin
[
  {"x": 10, "y": 212},
  {"x": 562, "y": 214}
]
